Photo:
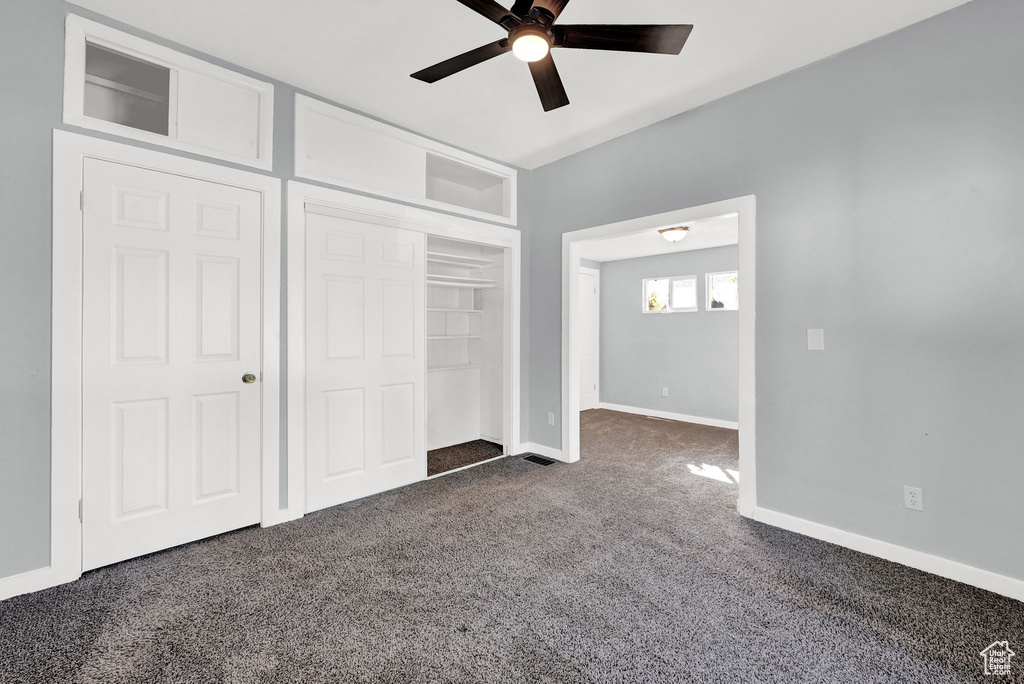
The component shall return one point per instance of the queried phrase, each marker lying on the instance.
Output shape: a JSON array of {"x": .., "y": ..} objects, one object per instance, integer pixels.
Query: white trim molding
[
  {"x": 681, "y": 417},
  {"x": 596, "y": 272},
  {"x": 540, "y": 450},
  {"x": 410, "y": 218},
  {"x": 967, "y": 574},
  {"x": 466, "y": 467},
  {"x": 35, "y": 580},
  {"x": 745, "y": 208},
  {"x": 69, "y": 153}
]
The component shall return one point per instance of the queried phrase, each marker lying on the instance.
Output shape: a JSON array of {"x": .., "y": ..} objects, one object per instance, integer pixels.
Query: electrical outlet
[
  {"x": 551, "y": 418},
  {"x": 913, "y": 498},
  {"x": 664, "y": 391}
]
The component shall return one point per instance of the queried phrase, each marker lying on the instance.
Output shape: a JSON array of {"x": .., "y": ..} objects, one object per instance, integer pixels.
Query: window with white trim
[
  {"x": 676, "y": 294},
  {"x": 723, "y": 292}
]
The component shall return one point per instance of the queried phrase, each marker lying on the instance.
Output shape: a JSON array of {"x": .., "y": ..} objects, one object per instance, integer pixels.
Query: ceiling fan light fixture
[
  {"x": 533, "y": 31},
  {"x": 674, "y": 234},
  {"x": 531, "y": 44}
]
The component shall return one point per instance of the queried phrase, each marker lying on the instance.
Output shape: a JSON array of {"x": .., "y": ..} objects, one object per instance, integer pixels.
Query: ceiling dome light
[
  {"x": 531, "y": 47},
  {"x": 674, "y": 234}
]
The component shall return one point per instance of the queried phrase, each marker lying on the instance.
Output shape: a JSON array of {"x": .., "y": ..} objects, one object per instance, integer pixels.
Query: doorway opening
[{"x": 716, "y": 291}]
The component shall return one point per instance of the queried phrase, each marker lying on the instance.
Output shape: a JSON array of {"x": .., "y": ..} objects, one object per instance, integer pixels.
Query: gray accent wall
[
  {"x": 31, "y": 100},
  {"x": 693, "y": 354},
  {"x": 889, "y": 201}
]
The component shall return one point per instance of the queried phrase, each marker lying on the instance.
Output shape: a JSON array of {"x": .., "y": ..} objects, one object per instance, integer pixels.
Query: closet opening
[{"x": 466, "y": 302}]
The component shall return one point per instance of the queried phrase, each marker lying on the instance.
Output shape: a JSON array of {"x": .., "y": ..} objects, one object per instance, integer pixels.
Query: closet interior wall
[{"x": 465, "y": 336}]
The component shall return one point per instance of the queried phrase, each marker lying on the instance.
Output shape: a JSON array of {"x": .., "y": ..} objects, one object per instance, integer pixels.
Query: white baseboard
[
  {"x": 540, "y": 449},
  {"x": 713, "y": 422},
  {"x": 976, "y": 577},
  {"x": 282, "y": 516},
  {"x": 466, "y": 467},
  {"x": 33, "y": 580}
]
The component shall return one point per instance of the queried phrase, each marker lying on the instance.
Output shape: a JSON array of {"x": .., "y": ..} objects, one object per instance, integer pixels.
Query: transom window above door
[{"x": 675, "y": 294}]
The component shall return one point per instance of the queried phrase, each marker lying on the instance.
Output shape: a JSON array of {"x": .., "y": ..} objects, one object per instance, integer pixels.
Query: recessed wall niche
[
  {"x": 126, "y": 91},
  {"x": 120, "y": 84}
]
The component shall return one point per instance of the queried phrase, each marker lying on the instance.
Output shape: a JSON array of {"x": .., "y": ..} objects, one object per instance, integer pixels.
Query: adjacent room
[
  {"x": 511, "y": 341},
  {"x": 658, "y": 324}
]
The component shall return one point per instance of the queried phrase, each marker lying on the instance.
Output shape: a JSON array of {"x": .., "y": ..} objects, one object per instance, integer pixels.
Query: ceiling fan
[{"x": 532, "y": 34}]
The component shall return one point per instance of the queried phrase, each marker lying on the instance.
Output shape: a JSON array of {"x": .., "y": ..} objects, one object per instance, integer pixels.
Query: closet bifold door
[{"x": 365, "y": 357}]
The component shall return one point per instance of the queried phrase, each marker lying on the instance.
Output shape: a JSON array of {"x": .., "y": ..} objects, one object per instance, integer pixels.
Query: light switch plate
[{"x": 815, "y": 339}]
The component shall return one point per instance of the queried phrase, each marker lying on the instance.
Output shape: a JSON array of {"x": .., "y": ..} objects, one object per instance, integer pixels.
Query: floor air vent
[{"x": 539, "y": 460}]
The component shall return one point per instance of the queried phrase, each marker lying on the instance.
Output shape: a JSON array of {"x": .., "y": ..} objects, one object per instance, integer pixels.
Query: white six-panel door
[
  {"x": 365, "y": 361},
  {"x": 171, "y": 323}
]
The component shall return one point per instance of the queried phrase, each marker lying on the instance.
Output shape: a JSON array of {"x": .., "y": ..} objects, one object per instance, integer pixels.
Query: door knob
[{"x": 249, "y": 378}]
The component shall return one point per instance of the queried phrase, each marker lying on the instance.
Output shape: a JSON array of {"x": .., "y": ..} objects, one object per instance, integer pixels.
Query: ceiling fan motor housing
[{"x": 518, "y": 32}]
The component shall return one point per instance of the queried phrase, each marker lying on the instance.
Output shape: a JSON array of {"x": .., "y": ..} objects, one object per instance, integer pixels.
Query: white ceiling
[
  {"x": 716, "y": 232},
  {"x": 360, "y": 53}
]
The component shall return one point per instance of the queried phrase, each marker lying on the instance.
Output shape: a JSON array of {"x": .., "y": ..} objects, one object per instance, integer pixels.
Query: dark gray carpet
[
  {"x": 625, "y": 567},
  {"x": 461, "y": 455}
]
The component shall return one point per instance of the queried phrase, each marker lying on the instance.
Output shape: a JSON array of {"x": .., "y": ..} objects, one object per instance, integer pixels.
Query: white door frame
[
  {"x": 571, "y": 248},
  {"x": 410, "y": 218},
  {"x": 69, "y": 154},
  {"x": 597, "y": 322}
]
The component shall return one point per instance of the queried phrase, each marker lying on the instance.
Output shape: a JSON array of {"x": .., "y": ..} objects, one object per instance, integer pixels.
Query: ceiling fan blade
[
  {"x": 553, "y": 6},
  {"x": 487, "y": 8},
  {"x": 464, "y": 61},
  {"x": 549, "y": 83},
  {"x": 522, "y": 7},
  {"x": 662, "y": 39}
]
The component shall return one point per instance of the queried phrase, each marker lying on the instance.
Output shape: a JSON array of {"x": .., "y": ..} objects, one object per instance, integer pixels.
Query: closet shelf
[
  {"x": 455, "y": 337},
  {"x": 458, "y": 279},
  {"x": 450, "y": 262},
  {"x": 467, "y": 311},
  {"x": 457, "y": 259},
  {"x": 476, "y": 284},
  {"x": 92, "y": 79},
  {"x": 452, "y": 368}
]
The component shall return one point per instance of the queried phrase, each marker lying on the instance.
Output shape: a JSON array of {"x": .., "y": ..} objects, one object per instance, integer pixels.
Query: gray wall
[
  {"x": 889, "y": 203},
  {"x": 31, "y": 91},
  {"x": 693, "y": 354},
  {"x": 31, "y": 69}
]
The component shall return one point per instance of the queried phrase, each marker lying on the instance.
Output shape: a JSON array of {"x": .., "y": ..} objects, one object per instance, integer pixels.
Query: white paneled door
[
  {"x": 365, "y": 367},
  {"x": 590, "y": 307},
  {"x": 172, "y": 330}
]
